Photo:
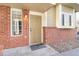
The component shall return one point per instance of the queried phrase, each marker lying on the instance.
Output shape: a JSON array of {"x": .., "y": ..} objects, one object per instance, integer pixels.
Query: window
[
  {"x": 69, "y": 20},
  {"x": 16, "y": 23},
  {"x": 62, "y": 19},
  {"x": 16, "y": 27}
]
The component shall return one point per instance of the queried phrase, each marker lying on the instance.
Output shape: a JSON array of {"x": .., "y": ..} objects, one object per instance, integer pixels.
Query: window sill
[{"x": 16, "y": 35}]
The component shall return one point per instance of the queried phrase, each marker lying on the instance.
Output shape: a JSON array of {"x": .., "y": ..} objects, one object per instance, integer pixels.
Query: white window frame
[
  {"x": 66, "y": 22},
  {"x": 15, "y": 9}
]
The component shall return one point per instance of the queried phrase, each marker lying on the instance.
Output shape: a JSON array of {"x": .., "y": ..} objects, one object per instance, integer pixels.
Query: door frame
[{"x": 37, "y": 14}]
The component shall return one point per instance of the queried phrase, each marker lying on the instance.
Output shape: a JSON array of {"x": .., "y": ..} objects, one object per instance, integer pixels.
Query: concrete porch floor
[
  {"x": 46, "y": 51},
  {"x": 73, "y": 52},
  {"x": 26, "y": 51}
]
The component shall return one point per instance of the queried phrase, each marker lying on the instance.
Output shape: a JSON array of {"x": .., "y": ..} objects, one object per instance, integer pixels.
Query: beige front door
[{"x": 35, "y": 29}]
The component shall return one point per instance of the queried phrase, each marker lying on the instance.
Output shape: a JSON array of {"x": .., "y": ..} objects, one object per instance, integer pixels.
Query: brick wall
[
  {"x": 60, "y": 39},
  {"x": 5, "y": 35}
]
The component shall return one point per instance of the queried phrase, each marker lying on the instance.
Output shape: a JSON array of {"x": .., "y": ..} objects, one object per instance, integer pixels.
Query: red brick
[
  {"x": 60, "y": 39},
  {"x": 5, "y": 35}
]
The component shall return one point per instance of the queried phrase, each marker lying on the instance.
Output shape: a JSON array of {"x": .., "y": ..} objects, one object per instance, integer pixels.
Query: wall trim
[{"x": 35, "y": 13}]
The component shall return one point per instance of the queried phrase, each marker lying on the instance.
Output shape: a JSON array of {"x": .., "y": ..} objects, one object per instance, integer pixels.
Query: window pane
[
  {"x": 20, "y": 27},
  {"x": 13, "y": 27},
  {"x": 13, "y": 23},
  {"x": 20, "y": 23},
  {"x": 13, "y": 32},
  {"x": 16, "y": 15},
  {"x": 70, "y": 20},
  {"x": 16, "y": 23},
  {"x": 63, "y": 19}
]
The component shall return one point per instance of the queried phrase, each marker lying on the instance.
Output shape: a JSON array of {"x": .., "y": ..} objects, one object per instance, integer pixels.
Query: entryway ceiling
[{"x": 39, "y": 7}]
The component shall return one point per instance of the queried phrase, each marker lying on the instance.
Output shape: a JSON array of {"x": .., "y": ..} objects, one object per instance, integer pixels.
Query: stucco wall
[
  {"x": 62, "y": 39},
  {"x": 49, "y": 17},
  {"x": 67, "y": 9},
  {"x": 64, "y": 9}
]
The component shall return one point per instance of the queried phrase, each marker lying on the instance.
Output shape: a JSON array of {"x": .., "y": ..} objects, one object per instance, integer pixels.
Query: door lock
[{"x": 30, "y": 29}]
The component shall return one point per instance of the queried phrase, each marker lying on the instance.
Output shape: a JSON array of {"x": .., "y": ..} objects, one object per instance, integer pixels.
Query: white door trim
[{"x": 37, "y": 14}]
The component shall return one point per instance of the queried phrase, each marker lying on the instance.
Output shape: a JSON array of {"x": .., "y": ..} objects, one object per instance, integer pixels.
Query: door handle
[{"x": 30, "y": 29}]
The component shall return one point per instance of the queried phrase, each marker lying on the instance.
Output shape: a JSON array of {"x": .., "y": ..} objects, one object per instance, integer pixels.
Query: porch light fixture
[{"x": 25, "y": 17}]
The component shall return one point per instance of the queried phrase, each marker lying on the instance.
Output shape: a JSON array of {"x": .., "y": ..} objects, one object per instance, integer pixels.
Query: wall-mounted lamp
[{"x": 25, "y": 17}]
